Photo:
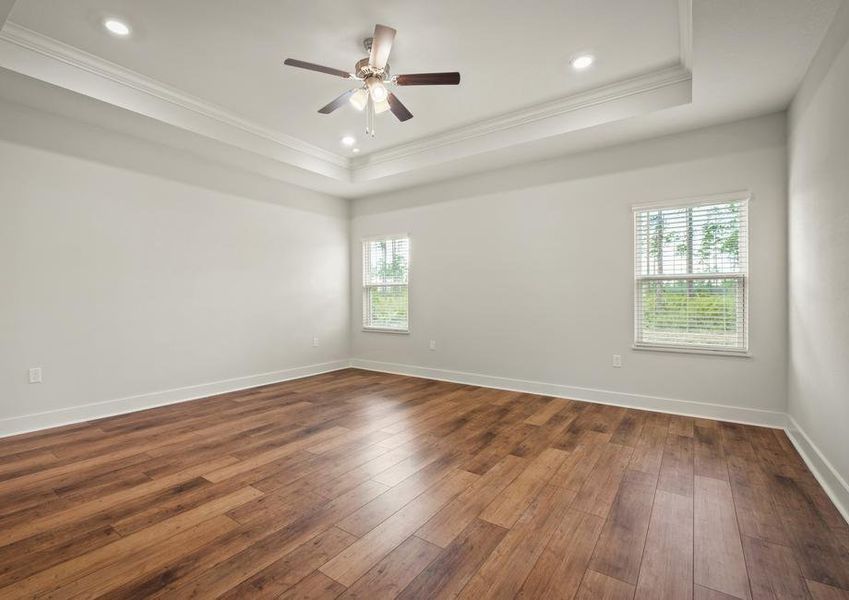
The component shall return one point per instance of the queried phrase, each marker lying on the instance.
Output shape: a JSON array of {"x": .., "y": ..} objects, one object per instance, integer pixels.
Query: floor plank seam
[{"x": 446, "y": 437}]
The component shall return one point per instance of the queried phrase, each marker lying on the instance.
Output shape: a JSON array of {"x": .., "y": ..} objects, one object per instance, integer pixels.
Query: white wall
[
  {"x": 527, "y": 274},
  {"x": 121, "y": 283},
  {"x": 125, "y": 264},
  {"x": 819, "y": 260}
]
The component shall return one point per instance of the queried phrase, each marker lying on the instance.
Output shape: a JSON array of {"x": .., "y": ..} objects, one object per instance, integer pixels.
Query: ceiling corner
[
  {"x": 5, "y": 10},
  {"x": 41, "y": 57}
]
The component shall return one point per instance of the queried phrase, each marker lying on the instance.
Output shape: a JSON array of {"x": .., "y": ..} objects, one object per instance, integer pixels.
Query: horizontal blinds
[
  {"x": 386, "y": 261},
  {"x": 702, "y": 239},
  {"x": 386, "y": 307},
  {"x": 691, "y": 268},
  {"x": 385, "y": 278}
]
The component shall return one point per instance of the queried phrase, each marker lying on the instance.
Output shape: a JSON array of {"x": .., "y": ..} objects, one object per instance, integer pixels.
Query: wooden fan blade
[
  {"x": 381, "y": 46},
  {"x": 428, "y": 79},
  {"x": 293, "y": 62},
  {"x": 326, "y": 110},
  {"x": 398, "y": 109}
]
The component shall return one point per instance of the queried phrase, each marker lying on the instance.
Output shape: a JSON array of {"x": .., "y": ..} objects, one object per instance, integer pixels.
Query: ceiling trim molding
[
  {"x": 632, "y": 86},
  {"x": 41, "y": 57},
  {"x": 31, "y": 40},
  {"x": 680, "y": 72}
]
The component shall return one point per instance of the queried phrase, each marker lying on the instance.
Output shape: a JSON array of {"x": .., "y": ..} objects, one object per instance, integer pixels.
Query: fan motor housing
[{"x": 363, "y": 70}]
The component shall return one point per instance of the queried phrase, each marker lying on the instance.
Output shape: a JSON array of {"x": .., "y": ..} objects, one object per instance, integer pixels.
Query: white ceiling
[
  {"x": 215, "y": 68},
  {"x": 227, "y": 54}
]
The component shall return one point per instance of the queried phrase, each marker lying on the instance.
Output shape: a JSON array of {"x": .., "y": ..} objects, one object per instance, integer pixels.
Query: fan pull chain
[{"x": 370, "y": 117}]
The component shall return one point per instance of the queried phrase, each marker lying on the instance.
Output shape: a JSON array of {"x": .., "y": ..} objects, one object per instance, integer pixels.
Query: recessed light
[
  {"x": 348, "y": 141},
  {"x": 582, "y": 62},
  {"x": 117, "y": 27},
  {"x": 355, "y": 150}
]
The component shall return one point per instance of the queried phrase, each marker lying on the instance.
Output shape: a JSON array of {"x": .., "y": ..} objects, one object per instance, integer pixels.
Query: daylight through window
[
  {"x": 386, "y": 266},
  {"x": 691, "y": 275}
]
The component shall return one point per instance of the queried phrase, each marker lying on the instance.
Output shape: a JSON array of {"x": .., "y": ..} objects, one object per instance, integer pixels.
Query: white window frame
[
  {"x": 366, "y": 286},
  {"x": 737, "y": 196}
]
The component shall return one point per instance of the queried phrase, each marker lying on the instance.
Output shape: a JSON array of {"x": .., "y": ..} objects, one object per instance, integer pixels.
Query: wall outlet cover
[{"x": 35, "y": 375}]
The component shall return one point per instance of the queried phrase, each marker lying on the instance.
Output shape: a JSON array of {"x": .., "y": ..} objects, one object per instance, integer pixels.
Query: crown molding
[
  {"x": 35, "y": 43},
  {"x": 619, "y": 90},
  {"x": 41, "y": 57},
  {"x": 677, "y": 74}
]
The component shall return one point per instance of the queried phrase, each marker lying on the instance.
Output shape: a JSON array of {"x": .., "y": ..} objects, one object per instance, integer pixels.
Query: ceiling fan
[{"x": 373, "y": 73}]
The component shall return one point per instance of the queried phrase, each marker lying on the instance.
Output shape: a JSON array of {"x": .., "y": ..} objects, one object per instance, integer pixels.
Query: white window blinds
[
  {"x": 386, "y": 268},
  {"x": 691, "y": 275}
]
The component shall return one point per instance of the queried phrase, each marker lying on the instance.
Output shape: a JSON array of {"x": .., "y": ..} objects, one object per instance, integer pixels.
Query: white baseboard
[
  {"x": 109, "y": 408},
  {"x": 827, "y": 476},
  {"x": 734, "y": 414}
]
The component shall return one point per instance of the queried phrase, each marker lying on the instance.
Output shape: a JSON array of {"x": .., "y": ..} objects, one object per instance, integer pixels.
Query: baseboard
[
  {"x": 827, "y": 476},
  {"x": 734, "y": 414},
  {"x": 109, "y": 408}
]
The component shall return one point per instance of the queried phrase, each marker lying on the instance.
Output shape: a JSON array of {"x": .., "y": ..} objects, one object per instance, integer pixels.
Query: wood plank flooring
[{"x": 355, "y": 484}]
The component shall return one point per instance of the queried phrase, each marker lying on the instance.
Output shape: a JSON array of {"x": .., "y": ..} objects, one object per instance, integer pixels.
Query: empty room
[{"x": 472, "y": 299}]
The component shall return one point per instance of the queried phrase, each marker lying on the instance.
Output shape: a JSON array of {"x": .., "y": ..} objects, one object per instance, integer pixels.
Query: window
[
  {"x": 386, "y": 266},
  {"x": 691, "y": 275}
]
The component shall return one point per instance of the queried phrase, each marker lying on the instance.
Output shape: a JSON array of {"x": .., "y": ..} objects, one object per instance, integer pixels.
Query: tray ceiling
[{"x": 214, "y": 68}]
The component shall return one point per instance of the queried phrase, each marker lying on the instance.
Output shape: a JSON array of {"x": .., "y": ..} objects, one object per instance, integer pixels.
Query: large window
[
  {"x": 691, "y": 275},
  {"x": 386, "y": 268}
]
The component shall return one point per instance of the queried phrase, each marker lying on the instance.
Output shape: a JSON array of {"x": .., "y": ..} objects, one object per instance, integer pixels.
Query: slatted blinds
[
  {"x": 386, "y": 266},
  {"x": 691, "y": 275}
]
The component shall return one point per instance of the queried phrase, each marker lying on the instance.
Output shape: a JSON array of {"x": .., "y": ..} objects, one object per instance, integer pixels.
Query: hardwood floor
[{"x": 363, "y": 485}]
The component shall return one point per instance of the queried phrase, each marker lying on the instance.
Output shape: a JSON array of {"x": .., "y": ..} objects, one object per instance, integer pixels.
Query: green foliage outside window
[
  {"x": 695, "y": 240},
  {"x": 387, "y": 304}
]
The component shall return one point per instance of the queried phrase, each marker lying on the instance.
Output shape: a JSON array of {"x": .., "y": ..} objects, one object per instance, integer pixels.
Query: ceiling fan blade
[
  {"x": 398, "y": 109},
  {"x": 339, "y": 101},
  {"x": 381, "y": 45},
  {"x": 428, "y": 79},
  {"x": 293, "y": 62}
]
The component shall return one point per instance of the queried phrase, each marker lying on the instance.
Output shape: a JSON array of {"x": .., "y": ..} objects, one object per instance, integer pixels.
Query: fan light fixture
[
  {"x": 377, "y": 89},
  {"x": 372, "y": 75},
  {"x": 359, "y": 99}
]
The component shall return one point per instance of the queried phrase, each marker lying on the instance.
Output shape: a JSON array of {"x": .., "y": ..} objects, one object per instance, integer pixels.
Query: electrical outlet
[
  {"x": 315, "y": 342},
  {"x": 432, "y": 344},
  {"x": 617, "y": 360},
  {"x": 35, "y": 375}
]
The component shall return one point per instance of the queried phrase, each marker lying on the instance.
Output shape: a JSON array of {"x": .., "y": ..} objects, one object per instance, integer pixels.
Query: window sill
[
  {"x": 702, "y": 351},
  {"x": 385, "y": 330}
]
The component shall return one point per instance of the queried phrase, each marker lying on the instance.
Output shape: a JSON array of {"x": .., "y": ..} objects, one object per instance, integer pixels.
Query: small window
[
  {"x": 691, "y": 275},
  {"x": 386, "y": 268}
]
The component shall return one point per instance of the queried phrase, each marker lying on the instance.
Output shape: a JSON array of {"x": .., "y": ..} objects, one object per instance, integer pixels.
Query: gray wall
[
  {"x": 819, "y": 258},
  {"x": 527, "y": 273},
  {"x": 120, "y": 283}
]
